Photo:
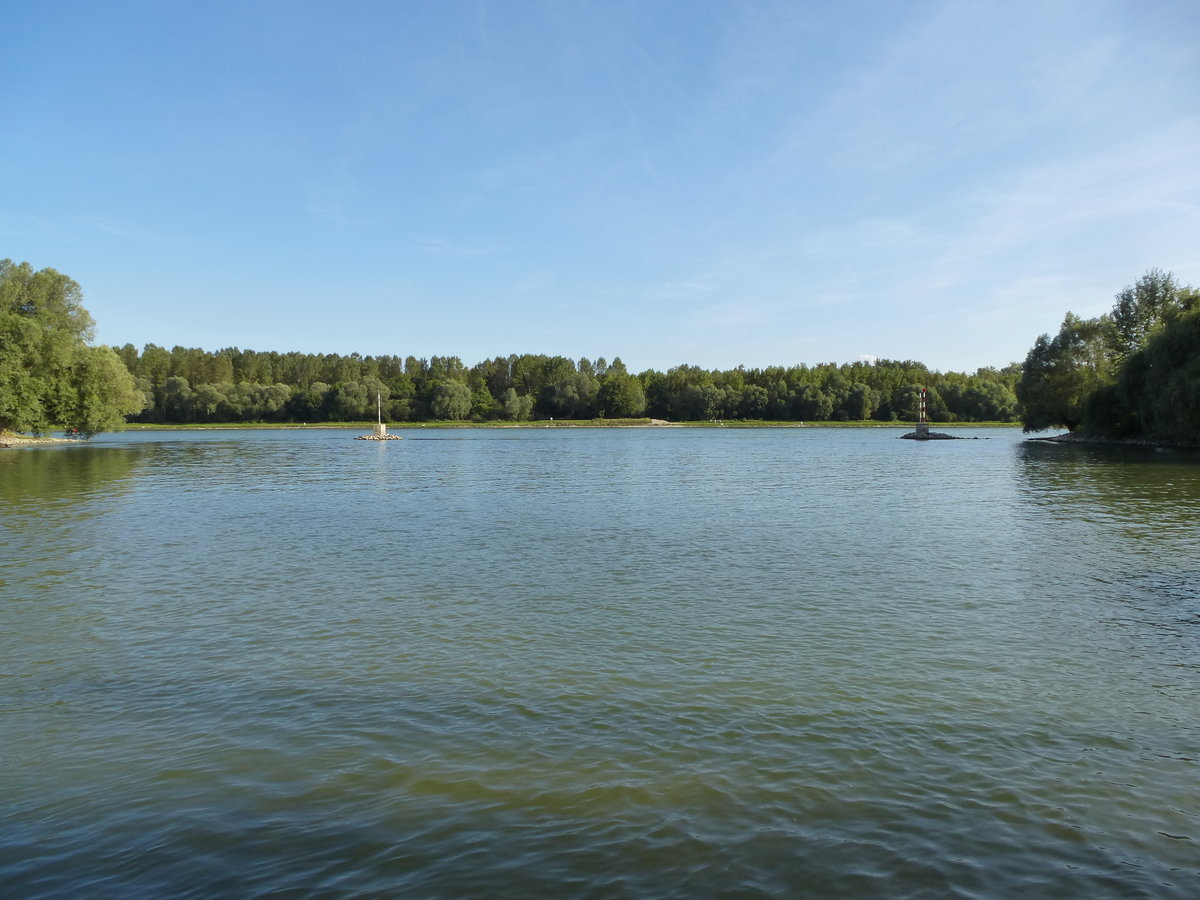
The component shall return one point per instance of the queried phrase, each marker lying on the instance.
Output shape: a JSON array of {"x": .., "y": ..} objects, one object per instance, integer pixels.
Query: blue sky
[{"x": 711, "y": 182}]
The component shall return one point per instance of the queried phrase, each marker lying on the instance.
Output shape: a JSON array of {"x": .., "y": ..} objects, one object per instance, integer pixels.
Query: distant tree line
[
  {"x": 1133, "y": 372},
  {"x": 190, "y": 385}
]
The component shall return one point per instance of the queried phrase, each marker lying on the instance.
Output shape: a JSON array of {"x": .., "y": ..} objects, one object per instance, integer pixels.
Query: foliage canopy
[
  {"x": 1131, "y": 373},
  {"x": 49, "y": 375},
  {"x": 185, "y": 385}
]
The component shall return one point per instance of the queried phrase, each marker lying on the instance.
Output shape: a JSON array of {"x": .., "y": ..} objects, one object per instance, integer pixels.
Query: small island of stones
[
  {"x": 379, "y": 434},
  {"x": 924, "y": 434}
]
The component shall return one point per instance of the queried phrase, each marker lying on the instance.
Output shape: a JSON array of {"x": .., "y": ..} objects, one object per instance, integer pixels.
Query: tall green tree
[
  {"x": 1134, "y": 372},
  {"x": 1060, "y": 373},
  {"x": 1140, "y": 309},
  {"x": 811, "y": 403},
  {"x": 49, "y": 373},
  {"x": 349, "y": 401},
  {"x": 1158, "y": 388},
  {"x": 570, "y": 397},
  {"x": 516, "y": 407},
  {"x": 99, "y": 393},
  {"x": 451, "y": 400}
]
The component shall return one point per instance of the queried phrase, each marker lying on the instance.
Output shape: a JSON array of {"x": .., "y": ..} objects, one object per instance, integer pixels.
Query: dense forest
[
  {"x": 1133, "y": 372},
  {"x": 189, "y": 385}
]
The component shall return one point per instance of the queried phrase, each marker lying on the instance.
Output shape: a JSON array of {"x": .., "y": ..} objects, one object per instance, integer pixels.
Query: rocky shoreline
[
  {"x": 8, "y": 441},
  {"x": 1146, "y": 443}
]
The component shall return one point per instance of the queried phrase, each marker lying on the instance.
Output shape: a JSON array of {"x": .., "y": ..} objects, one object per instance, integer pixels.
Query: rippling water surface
[{"x": 598, "y": 663}]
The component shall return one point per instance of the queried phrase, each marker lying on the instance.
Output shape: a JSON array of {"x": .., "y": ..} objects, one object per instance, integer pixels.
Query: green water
[{"x": 598, "y": 663}]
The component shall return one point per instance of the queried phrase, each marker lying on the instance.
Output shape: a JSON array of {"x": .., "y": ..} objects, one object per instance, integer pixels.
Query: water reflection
[
  {"x": 639, "y": 663},
  {"x": 1151, "y": 496},
  {"x": 1120, "y": 524},
  {"x": 30, "y": 477}
]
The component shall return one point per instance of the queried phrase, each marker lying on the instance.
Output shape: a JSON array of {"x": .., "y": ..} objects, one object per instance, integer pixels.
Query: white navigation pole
[{"x": 380, "y": 432}]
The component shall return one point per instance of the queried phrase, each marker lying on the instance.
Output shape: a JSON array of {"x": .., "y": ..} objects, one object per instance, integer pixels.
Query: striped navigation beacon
[
  {"x": 922, "y": 417},
  {"x": 922, "y": 432}
]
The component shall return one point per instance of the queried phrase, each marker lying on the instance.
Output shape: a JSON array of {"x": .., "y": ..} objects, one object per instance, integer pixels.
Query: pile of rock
[{"x": 930, "y": 436}]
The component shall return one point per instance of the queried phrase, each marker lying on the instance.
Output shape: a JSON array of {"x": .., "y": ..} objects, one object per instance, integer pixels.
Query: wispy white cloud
[
  {"x": 679, "y": 290},
  {"x": 1111, "y": 198},
  {"x": 533, "y": 283},
  {"x": 736, "y": 313},
  {"x": 453, "y": 249},
  {"x": 20, "y": 225},
  {"x": 120, "y": 229}
]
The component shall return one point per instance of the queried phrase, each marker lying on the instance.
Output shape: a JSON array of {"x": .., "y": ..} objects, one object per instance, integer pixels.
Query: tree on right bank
[{"x": 1133, "y": 372}]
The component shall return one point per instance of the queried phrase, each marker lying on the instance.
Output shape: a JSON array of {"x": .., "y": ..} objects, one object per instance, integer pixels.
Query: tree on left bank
[{"x": 50, "y": 374}]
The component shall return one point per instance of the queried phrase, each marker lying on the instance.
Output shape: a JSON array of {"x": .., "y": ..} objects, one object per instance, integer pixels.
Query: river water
[{"x": 644, "y": 663}]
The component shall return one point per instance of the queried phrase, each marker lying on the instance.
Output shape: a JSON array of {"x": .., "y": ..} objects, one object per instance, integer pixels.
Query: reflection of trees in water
[
  {"x": 1139, "y": 485},
  {"x": 30, "y": 476},
  {"x": 1128, "y": 516}
]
